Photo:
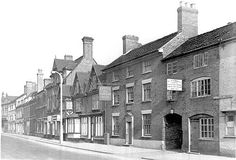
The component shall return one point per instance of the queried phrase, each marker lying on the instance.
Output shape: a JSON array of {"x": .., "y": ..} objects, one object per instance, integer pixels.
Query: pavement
[{"x": 125, "y": 152}]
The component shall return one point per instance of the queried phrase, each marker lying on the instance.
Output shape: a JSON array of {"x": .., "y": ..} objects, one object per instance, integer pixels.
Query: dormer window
[{"x": 147, "y": 67}]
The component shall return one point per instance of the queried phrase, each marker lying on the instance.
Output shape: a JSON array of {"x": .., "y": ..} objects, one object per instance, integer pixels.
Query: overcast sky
[{"x": 33, "y": 33}]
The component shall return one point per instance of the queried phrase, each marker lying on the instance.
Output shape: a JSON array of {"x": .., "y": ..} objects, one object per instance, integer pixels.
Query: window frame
[
  {"x": 200, "y": 56},
  {"x": 145, "y": 113},
  {"x": 145, "y": 82},
  {"x": 115, "y": 76},
  {"x": 128, "y": 86},
  {"x": 170, "y": 68},
  {"x": 115, "y": 115},
  {"x": 207, "y": 131},
  {"x": 144, "y": 66},
  {"x": 233, "y": 125},
  {"x": 115, "y": 89},
  {"x": 99, "y": 128},
  {"x": 128, "y": 70},
  {"x": 194, "y": 87}
]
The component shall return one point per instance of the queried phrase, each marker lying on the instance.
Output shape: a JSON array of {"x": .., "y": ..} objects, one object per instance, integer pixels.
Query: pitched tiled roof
[
  {"x": 59, "y": 64},
  {"x": 141, "y": 51},
  {"x": 98, "y": 69},
  {"x": 206, "y": 39}
]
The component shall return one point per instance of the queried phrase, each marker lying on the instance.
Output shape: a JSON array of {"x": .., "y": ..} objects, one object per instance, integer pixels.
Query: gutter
[{"x": 150, "y": 52}]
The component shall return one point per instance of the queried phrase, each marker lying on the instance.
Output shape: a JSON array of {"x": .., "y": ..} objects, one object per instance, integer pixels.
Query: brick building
[
  {"x": 206, "y": 106},
  {"x": 138, "y": 84},
  {"x": 5, "y": 106},
  {"x": 73, "y": 122},
  {"x": 87, "y": 121},
  {"x": 68, "y": 68}
]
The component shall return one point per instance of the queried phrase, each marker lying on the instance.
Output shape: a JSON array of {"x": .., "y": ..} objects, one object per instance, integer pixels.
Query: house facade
[
  {"x": 88, "y": 121},
  {"x": 206, "y": 105},
  {"x": 138, "y": 83},
  {"x": 5, "y": 107}
]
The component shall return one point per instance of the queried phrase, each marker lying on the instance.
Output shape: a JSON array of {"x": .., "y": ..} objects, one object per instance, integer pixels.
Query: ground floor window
[
  {"x": 230, "y": 125},
  {"x": 206, "y": 128},
  {"x": 146, "y": 124},
  {"x": 70, "y": 125},
  {"x": 77, "y": 125},
  {"x": 98, "y": 126},
  {"x": 84, "y": 126},
  {"x": 115, "y": 125}
]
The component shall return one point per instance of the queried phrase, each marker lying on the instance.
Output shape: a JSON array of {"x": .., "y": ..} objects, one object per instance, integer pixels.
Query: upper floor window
[
  {"x": 147, "y": 66},
  {"x": 68, "y": 105},
  {"x": 146, "y": 89},
  {"x": 172, "y": 68},
  {"x": 206, "y": 128},
  {"x": 115, "y": 95},
  {"x": 129, "y": 72},
  {"x": 115, "y": 76},
  {"x": 95, "y": 101},
  {"x": 78, "y": 105},
  {"x": 200, "y": 60},
  {"x": 201, "y": 87},
  {"x": 130, "y": 93}
]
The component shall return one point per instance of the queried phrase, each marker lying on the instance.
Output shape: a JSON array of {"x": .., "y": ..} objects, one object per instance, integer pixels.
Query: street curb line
[{"x": 42, "y": 141}]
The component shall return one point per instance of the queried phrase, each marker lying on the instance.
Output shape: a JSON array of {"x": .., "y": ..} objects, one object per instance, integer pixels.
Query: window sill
[
  {"x": 146, "y": 72},
  {"x": 114, "y": 81},
  {"x": 147, "y": 101},
  {"x": 200, "y": 67},
  {"x": 115, "y": 105},
  {"x": 206, "y": 139},
  {"x": 148, "y": 136},
  {"x": 131, "y": 103},
  {"x": 115, "y": 136},
  {"x": 234, "y": 137},
  {"x": 200, "y": 97},
  {"x": 129, "y": 77},
  {"x": 95, "y": 109},
  {"x": 98, "y": 137}
]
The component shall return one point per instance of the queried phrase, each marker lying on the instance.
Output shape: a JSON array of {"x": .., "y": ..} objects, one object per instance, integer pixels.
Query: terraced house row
[{"x": 176, "y": 92}]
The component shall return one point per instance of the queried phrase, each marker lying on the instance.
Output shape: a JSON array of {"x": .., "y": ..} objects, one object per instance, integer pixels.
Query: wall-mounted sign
[
  {"x": 104, "y": 93},
  {"x": 174, "y": 84}
]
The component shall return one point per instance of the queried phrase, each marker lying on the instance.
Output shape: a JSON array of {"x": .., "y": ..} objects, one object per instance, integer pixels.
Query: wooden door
[
  {"x": 194, "y": 135},
  {"x": 130, "y": 132}
]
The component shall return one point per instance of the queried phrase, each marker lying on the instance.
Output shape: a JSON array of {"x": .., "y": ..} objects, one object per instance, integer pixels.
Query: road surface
[{"x": 18, "y": 148}]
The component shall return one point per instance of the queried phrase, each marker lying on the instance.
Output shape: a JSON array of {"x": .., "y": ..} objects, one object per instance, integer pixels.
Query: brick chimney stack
[
  {"x": 130, "y": 42},
  {"x": 68, "y": 57},
  {"x": 188, "y": 19},
  {"x": 40, "y": 80},
  {"x": 87, "y": 47}
]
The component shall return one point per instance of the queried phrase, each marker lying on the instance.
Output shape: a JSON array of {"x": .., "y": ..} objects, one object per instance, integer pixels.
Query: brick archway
[{"x": 173, "y": 131}]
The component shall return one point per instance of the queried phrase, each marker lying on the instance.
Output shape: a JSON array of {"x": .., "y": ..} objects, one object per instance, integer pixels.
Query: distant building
[{"x": 6, "y": 102}]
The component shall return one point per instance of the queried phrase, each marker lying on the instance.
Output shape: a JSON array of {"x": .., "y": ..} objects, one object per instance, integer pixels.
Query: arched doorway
[{"x": 173, "y": 131}]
